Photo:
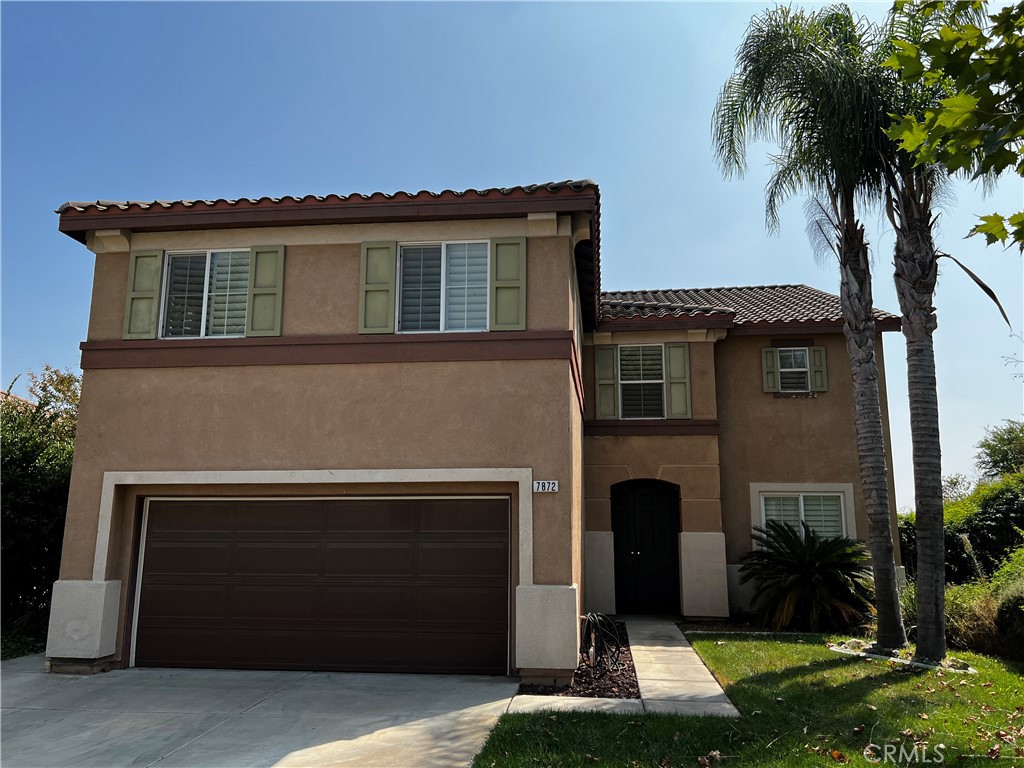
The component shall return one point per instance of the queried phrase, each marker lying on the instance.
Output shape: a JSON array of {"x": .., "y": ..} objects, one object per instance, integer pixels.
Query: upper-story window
[
  {"x": 794, "y": 369},
  {"x": 468, "y": 285},
  {"x": 443, "y": 287},
  {"x": 642, "y": 381},
  {"x": 205, "y": 293},
  {"x": 225, "y": 292}
]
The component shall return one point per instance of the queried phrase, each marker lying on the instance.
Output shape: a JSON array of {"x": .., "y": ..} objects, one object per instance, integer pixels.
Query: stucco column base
[
  {"x": 599, "y": 563},
  {"x": 547, "y": 629},
  {"x": 702, "y": 574},
  {"x": 83, "y": 619}
]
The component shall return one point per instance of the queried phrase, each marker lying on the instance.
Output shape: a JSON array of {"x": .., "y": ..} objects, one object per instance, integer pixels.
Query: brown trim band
[
  {"x": 76, "y": 223},
  {"x": 329, "y": 350},
  {"x": 882, "y": 325},
  {"x": 626, "y": 427}
]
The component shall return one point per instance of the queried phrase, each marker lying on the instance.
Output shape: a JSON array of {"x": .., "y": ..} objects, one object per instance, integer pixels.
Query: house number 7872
[{"x": 545, "y": 486}]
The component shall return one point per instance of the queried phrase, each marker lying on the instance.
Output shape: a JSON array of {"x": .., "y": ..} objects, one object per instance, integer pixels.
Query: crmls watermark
[{"x": 901, "y": 754}]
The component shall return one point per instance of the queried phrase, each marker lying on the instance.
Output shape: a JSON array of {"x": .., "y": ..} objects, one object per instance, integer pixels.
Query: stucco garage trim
[{"x": 522, "y": 476}]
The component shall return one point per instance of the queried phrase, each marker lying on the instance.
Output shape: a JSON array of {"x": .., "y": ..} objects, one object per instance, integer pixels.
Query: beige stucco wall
[
  {"x": 689, "y": 461},
  {"x": 321, "y": 281},
  {"x": 769, "y": 439}
]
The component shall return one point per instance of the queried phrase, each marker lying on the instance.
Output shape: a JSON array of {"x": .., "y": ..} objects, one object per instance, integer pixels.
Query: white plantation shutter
[
  {"x": 824, "y": 515},
  {"x": 228, "y": 293},
  {"x": 785, "y": 509},
  {"x": 466, "y": 286},
  {"x": 641, "y": 374},
  {"x": 186, "y": 280},
  {"x": 420, "y": 308}
]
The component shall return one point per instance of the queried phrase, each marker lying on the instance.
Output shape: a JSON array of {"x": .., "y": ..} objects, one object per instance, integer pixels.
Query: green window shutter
[
  {"x": 677, "y": 380},
  {"x": 819, "y": 373},
  {"x": 606, "y": 376},
  {"x": 142, "y": 304},
  {"x": 377, "y": 265},
  {"x": 770, "y": 369},
  {"x": 266, "y": 281},
  {"x": 508, "y": 284}
]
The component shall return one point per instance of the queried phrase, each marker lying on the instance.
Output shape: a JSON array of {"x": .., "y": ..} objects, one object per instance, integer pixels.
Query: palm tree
[
  {"x": 808, "y": 82},
  {"x": 910, "y": 196}
]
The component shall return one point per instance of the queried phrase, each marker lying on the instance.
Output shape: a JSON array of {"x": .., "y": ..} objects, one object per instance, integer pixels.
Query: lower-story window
[{"x": 823, "y": 512}]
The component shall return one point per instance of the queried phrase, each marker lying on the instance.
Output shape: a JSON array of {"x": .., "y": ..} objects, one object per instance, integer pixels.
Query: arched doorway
[{"x": 645, "y": 521}]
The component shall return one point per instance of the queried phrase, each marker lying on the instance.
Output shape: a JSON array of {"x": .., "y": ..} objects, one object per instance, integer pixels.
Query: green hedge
[{"x": 991, "y": 519}]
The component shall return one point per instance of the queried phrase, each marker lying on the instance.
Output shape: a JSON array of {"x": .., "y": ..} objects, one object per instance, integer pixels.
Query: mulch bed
[{"x": 621, "y": 684}]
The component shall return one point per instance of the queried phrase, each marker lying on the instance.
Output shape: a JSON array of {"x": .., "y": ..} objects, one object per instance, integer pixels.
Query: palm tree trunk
[
  {"x": 916, "y": 271},
  {"x": 859, "y": 329}
]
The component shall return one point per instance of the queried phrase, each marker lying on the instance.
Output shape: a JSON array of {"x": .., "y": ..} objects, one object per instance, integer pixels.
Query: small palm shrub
[{"x": 808, "y": 582}]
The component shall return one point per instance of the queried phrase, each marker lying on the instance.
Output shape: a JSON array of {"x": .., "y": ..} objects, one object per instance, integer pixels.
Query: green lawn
[{"x": 800, "y": 704}]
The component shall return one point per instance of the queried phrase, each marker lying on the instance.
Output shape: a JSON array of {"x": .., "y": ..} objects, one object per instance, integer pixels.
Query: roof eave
[{"x": 76, "y": 224}]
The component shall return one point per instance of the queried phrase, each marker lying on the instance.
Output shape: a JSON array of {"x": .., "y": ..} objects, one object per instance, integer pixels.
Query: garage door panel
[
  {"x": 399, "y": 585},
  {"x": 182, "y": 600},
  {"x": 378, "y": 558},
  {"x": 277, "y": 558},
  {"x": 464, "y": 515},
  {"x": 454, "y": 559},
  {"x": 187, "y": 557},
  {"x": 269, "y": 602},
  {"x": 291, "y": 516},
  {"x": 204, "y": 516},
  {"x": 369, "y": 515},
  {"x": 370, "y": 649},
  {"x": 484, "y": 605},
  {"x": 361, "y": 603}
]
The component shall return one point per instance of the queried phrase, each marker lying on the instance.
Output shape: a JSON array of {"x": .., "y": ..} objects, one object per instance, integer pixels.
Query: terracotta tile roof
[
  {"x": 744, "y": 305},
  {"x": 312, "y": 200}
]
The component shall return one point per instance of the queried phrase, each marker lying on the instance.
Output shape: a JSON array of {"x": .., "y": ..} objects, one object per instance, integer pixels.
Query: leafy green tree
[
  {"x": 1001, "y": 450},
  {"x": 977, "y": 127},
  {"x": 36, "y": 450},
  {"x": 810, "y": 83}
]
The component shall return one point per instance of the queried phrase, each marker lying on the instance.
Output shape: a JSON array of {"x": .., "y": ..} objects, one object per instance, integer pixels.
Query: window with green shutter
[
  {"x": 794, "y": 369},
  {"x": 200, "y": 294}
]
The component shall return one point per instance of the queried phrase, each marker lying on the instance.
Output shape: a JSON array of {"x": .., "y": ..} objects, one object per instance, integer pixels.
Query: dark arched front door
[{"x": 645, "y": 521}]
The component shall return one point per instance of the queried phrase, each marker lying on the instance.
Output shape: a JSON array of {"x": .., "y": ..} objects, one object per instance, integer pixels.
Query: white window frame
[
  {"x": 206, "y": 293},
  {"x": 844, "y": 490},
  {"x": 444, "y": 285},
  {"x": 806, "y": 371},
  {"x": 618, "y": 373}
]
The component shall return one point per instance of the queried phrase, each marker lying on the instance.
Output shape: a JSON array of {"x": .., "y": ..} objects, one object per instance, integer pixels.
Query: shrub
[
  {"x": 809, "y": 582},
  {"x": 971, "y": 617},
  {"x": 991, "y": 518},
  {"x": 38, "y": 442},
  {"x": 1010, "y": 573},
  {"x": 1010, "y": 621}
]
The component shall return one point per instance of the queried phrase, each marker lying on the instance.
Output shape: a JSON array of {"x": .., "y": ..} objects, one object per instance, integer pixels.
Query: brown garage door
[{"x": 396, "y": 585}]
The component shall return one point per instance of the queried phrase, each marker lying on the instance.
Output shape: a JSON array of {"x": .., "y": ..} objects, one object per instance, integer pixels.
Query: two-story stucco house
[{"x": 409, "y": 433}]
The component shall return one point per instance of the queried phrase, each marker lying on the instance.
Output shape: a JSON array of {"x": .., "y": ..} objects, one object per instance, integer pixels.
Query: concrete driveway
[{"x": 222, "y": 718}]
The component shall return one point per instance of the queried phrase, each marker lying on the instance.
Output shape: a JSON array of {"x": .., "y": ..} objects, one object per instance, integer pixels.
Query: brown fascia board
[
  {"x": 783, "y": 328},
  {"x": 76, "y": 224}
]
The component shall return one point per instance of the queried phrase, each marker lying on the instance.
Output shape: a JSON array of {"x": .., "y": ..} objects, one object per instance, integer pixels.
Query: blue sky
[{"x": 208, "y": 100}]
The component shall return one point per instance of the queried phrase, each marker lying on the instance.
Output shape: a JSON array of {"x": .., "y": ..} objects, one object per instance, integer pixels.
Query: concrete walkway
[{"x": 672, "y": 679}]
